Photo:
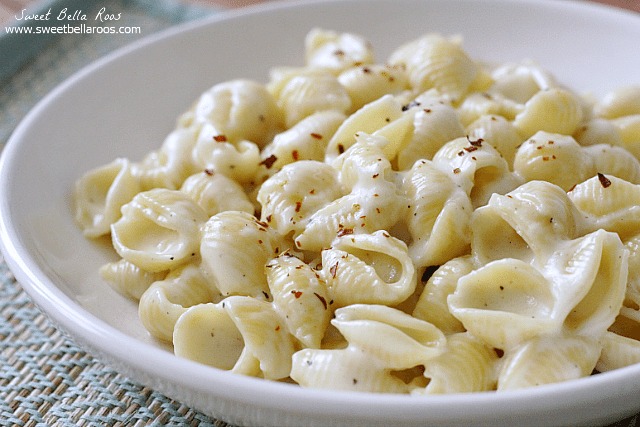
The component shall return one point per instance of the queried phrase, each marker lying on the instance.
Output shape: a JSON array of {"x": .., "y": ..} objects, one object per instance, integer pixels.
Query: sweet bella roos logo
[{"x": 68, "y": 16}]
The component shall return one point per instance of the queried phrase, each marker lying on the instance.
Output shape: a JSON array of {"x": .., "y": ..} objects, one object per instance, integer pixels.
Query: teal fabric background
[{"x": 33, "y": 64}]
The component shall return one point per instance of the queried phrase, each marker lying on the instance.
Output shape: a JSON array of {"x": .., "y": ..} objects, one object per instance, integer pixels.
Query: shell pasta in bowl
[{"x": 332, "y": 225}]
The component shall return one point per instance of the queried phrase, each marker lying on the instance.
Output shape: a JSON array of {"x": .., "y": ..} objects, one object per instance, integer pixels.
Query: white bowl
[{"x": 125, "y": 104}]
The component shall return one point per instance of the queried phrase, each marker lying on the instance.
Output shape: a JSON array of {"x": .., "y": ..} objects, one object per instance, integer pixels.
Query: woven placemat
[{"x": 45, "y": 379}]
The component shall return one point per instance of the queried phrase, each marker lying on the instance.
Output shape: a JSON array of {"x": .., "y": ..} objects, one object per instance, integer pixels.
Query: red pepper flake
[
  {"x": 460, "y": 153},
  {"x": 476, "y": 143},
  {"x": 604, "y": 181},
  {"x": 345, "y": 232},
  {"x": 340, "y": 148},
  {"x": 316, "y": 135},
  {"x": 470, "y": 149},
  {"x": 220, "y": 138},
  {"x": 298, "y": 206},
  {"x": 269, "y": 161},
  {"x": 322, "y": 300},
  {"x": 262, "y": 224},
  {"x": 296, "y": 294},
  {"x": 456, "y": 170},
  {"x": 334, "y": 270},
  {"x": 269, "y": 217},
  {"x": 376, "y": 175},
  {"x": 277, "y": 328},
  {"x": 208, "y": 172},
  {"x": 295, "y": 155},
  {"x": 366, "y": 70}
]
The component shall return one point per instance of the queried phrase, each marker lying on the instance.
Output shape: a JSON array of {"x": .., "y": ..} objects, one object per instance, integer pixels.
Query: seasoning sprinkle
[
  {"x": 604, "y": 181},
  {"x": 269, "y": 161}
]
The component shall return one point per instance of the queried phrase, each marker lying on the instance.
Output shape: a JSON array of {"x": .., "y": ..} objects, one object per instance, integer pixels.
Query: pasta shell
[
  {"x": 526, "y": 223},
  {"x": 433, "y": 61},
  {"x": 396, "y": 339},
  {"x": 99, "y": 195},
  {"x": 499, "y": 133},
  {"x": 343, "y": 369},
  {"x": 300, "y": 297},
  {"x": 479, "y": 104},
  {"x": 439, "y": 216},
  {"x": 159, "y": 230},
  {"x": 128, "y": 279},
  {"x": 616, "y": 161},
  {"x": 505, "y": 303},
  {"x": 235, "y": 247},
  {"x": 624, "y": 101},
  {"x": 336, "y": 51},
  {"x": 165, "y": 300},
  {"x": 366, "y": 83},
  {"x": 521, "y": 81},
  {"x": 432, "y": 304},
  {"x": 598, "y": 131},
  {"x": 477, "y": 168},
  {"x": 371, "y": 117},
  {"x": 610, "y": 203},
  {"x": 632, "y": 298},
  {"x": 172, "y": 164},
  {"x": 554, "y": 158},
  {"x": 397, "y": 133},
  {"x": 548, "y": 360},
  {"x": 553, "y": 110},
  {"x": 216, "y": 193},
  {"x": 240, "y": 334},
  {"x": 617, "y": 352},
  {"x": 291, "y": 197},
  {"x": 240, "y": 161},
  {"x": 374, "y": 202},
  {"x": 467, "y": 365},
  {"x": 589, "y": 276},
  {"x": 240, "y": 110},
  {"x": 629, "y": 129},
  {"x": 434, "y": 126},
  {"x": 303, "y": 93},
  {"x": 369, "y": 269},
  {"x": 306, "y": 140},
  {"x": 207, "y": 334}
]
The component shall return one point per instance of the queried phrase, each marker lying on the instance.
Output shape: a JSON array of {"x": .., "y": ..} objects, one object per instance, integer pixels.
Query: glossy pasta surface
[{"x": 422, "y": 224}]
